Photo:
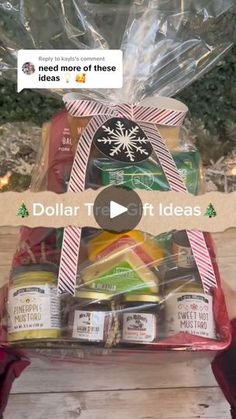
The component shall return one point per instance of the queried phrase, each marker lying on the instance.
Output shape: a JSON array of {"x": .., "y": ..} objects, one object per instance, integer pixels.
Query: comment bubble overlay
[
  {"x": 69, "y": 69},
  {"x": 161, "y": 211}
]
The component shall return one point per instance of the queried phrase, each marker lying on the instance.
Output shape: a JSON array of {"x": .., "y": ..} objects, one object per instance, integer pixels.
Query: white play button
[
  {"x": 112, "y": 209},
  {"x": 116, "y": 209}
]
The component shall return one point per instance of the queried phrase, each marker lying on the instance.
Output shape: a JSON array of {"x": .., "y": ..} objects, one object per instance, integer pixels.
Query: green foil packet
[
  {"x": 121, "y": 278},
  {"x": 149, "y": 174}
]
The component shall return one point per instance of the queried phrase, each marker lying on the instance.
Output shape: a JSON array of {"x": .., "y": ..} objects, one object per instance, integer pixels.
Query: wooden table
[{"x": 164, "y": 386}]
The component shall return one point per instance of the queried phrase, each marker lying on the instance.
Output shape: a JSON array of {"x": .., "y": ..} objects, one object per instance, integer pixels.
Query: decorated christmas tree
[
  {"x": 23, "y": 211},
  {"x": 210, "y": 211}
]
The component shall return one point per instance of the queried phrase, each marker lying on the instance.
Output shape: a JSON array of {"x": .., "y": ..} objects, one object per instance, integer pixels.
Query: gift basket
[{"x": 85, "y": 288}]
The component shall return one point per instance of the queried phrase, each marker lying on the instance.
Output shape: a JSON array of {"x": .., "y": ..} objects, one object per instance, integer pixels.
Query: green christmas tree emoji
[
  {"x": 210, "y": 211},
  {"x": 22, "y": 211}
]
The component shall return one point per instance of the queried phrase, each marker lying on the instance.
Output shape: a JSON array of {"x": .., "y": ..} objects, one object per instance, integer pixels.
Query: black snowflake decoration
[{"x": 123, "y": 140}]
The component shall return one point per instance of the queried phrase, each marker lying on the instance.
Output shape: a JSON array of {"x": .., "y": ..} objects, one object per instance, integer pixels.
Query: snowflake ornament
[{"x": 123, "y": 140}]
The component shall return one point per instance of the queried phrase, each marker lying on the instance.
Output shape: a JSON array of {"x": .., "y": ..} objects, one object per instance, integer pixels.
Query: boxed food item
[{"x": 148, "y": 174}]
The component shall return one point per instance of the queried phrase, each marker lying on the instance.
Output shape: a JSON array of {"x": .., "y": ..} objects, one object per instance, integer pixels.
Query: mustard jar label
[
  {"x": 89, "y": 325},
  {"x": 33, "y": 308},
  {"x": 139, "y": 327},
  {"x": 192, "y": 313}
]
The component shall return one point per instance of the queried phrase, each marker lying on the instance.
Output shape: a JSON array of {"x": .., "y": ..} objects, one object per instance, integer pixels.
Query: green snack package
[
  {"x": 149, "y": 174},
  {"x": 124, "y": 273}
]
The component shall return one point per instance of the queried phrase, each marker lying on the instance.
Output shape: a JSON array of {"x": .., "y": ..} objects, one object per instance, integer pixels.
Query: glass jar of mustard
[
  {"x": 187, "y": 308},
  {"x": 140, "y": 319},
  {"x": 33, "y": 304},
  {"x": 90, "y": 317}
]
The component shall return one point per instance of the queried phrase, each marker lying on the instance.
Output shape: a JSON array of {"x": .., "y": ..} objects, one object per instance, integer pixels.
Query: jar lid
[
  {"x": 93, "y": 295},
  {"x": 146, "y": 298},
  {"x": 37, "y": 267}
]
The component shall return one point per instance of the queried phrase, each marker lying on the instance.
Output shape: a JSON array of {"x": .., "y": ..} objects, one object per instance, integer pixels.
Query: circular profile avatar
[{"x": 28, "y": 68}]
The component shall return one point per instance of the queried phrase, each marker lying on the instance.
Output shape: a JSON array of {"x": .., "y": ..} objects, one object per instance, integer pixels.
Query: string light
[{"x": 4, "y": 180}]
